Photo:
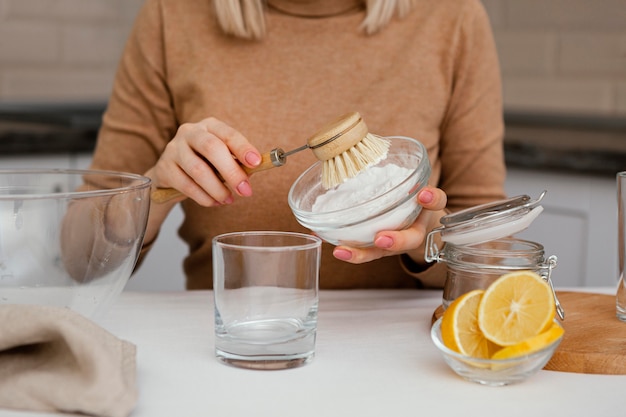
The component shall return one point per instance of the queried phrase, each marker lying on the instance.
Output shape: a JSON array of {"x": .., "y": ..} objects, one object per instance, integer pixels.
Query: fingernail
[
  {"x": 229, "y": 200},
  {"x": 384, "y": 242},
  {"x": 342, "y": 254},
  {"x": 253, "y": 159},
  {"x": 426, "y": 197},
  {"x": 244, "y": 189}
]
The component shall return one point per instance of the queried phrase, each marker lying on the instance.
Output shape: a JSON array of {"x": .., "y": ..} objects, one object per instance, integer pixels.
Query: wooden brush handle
[{"x": 163, "y": 195}]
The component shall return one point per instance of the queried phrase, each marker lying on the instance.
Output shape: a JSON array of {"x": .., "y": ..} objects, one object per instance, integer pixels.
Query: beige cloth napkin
[{"x": 55, "y": 360}]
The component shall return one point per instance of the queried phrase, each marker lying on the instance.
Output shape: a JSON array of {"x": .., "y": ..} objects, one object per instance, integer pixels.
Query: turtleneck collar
[{"x": 315, "y": 8}]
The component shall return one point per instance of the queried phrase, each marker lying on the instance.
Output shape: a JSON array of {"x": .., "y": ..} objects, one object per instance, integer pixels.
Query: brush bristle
[{"x": 369, "y": 151}]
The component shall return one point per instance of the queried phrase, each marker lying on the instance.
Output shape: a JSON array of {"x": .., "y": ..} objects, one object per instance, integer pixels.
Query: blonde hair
[{"x": 246, "y": 18}]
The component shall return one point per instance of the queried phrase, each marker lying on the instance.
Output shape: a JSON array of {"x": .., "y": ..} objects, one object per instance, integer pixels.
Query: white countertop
[{"x": 374, "y": 358}]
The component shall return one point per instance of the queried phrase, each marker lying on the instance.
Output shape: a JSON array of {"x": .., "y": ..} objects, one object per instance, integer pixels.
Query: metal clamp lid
[
  {"x": 484, "y": 223},
  {"x": 551, "y": 264},
  {"x": 490, "y": 221}
]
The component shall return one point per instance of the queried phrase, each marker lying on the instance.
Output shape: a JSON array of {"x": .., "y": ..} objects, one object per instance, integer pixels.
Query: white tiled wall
[
  {"x": 556, "y": 55},
  {"x": 562, "y": 55},
  {"x": 61, "y": 49}
]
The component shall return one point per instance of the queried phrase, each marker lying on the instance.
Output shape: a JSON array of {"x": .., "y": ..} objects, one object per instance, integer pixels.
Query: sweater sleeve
[{"x": 140, "y": 117}]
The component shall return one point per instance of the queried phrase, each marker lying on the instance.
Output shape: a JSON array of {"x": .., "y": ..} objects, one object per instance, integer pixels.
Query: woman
[{"x": 205, "y": 80}]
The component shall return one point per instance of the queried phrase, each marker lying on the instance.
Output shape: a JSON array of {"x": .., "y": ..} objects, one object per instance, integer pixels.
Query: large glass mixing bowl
[{"x": 70, "y": 238}]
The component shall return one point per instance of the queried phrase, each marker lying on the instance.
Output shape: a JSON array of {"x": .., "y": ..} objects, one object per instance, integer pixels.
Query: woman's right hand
[{"x": 190, "y": 161}]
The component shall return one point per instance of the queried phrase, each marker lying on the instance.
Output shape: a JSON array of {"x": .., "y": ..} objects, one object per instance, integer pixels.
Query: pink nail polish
[
  {"x": 384, "y": 242},
  {"x": 253, "y": 159},
  {"x": 426, "y": 197},
  {"x": 244, "y": 189},
  {"x": 342, "y": 254}
]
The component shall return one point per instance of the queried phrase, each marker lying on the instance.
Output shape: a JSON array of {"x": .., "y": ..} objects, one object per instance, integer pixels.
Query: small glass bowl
[
  {"x": 493, "y": 372},
  {"x": 357, "y": 225}
]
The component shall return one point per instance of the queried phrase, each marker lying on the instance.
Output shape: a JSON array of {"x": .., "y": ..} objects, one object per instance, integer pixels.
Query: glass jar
[{"x": 479, "y": 247}]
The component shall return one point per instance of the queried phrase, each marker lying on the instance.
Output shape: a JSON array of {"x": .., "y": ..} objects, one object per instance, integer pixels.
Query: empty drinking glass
[
  {"x": 266, "y": 295},
  {"x": 621, "y": 244}
]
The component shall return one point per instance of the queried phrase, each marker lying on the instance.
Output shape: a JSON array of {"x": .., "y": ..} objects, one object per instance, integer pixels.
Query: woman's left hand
[{"x": 411, "y": 240}]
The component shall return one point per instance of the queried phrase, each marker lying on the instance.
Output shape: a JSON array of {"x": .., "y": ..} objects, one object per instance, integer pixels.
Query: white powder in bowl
[
  {"x": 368, "y": 184},
  {"x": 349, "y": 196}
]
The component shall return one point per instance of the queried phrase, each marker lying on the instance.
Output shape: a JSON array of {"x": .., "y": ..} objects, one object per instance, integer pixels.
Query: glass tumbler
[
  {"x": 621, "y": 244},
  {"x": 265, "y": 286}
]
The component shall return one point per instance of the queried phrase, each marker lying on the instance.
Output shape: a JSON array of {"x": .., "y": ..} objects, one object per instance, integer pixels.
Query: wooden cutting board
[{"x": 594, "y": 341}]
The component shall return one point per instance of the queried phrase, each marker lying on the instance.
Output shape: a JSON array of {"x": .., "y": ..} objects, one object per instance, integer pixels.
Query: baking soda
[
  {"x": 363, "y": 187},
  {"x": 374, "y": 181}
]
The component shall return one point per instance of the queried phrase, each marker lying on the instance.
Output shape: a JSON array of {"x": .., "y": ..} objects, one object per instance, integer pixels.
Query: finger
[
  {"x": 236, "y": 142},
  {"x": 386, "y": 244},
  {"x": 357, "y": 255},
  {"x": 229, "y": 171},
  {"x": 432, "y": 198},
  {"x": 212, "y": 193},
  {"x": 389, "y": 243},
  {"x": 208, "y": 161},
  {"x": 220, "y": 145},
  {"x": 410, "y": 238},
  {"x": 433, "y": 201},
  {"x": 178, "y": 179},
  {"x": 181, "y": 166}
]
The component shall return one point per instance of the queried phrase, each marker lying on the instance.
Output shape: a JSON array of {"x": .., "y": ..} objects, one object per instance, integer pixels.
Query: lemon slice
[
  {"x": 534, "y": 344},
  {"x": 459, "y": 327},
  {"x": 516, "y": 307}
]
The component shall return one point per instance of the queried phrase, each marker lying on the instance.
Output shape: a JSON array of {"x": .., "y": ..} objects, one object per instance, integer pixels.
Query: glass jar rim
[{"x": 532, "y": 252}]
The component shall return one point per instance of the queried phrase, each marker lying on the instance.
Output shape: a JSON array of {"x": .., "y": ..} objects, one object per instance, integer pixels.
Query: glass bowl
[
  {"x": 383, "y": 202},
  {"x": 493, "y": 372},
  {"x": 69, "y": 238}
]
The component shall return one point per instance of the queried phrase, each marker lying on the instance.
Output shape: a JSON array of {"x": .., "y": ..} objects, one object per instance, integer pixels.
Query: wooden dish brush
[{"x": 344, "y": 146}]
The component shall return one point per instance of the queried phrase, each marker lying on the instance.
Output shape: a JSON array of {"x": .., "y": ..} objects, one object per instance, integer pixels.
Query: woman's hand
[
  {"x": 198, "y": 151},
  {"x": 410, "y": 240}
]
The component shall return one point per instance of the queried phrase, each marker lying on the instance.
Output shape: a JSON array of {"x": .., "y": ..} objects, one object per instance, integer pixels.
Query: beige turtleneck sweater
[{"x": 433, "y": 76}]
